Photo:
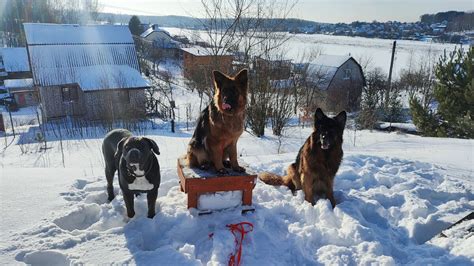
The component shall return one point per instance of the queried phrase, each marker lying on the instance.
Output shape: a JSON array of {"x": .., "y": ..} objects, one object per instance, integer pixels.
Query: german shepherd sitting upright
[
  {"x": 220, "y": 125},
  {"x": 318, "y": 160}
]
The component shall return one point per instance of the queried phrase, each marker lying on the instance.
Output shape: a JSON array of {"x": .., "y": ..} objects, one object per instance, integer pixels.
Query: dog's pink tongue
[{"x": 226, "y": 106}]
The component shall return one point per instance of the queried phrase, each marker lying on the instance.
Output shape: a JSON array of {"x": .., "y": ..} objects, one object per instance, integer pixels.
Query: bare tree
[
  {"x": 419, "y": 79},
  {"x": 281, "y": 110},
  {"x": 250, "y": 27},
  {"x": 372, "y": 96}
]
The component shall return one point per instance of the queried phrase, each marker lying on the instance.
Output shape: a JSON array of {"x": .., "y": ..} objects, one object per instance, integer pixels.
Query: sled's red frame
[{"x": 196, "y": 186}]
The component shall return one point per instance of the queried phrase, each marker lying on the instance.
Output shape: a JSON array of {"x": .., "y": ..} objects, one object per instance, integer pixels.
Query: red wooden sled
[{"x": 195, "y": 182}]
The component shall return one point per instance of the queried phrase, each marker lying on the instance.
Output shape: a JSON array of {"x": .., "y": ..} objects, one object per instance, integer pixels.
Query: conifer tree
[
  {"x": 454, "y": 95},
  {"x": 134, "y": 25}
]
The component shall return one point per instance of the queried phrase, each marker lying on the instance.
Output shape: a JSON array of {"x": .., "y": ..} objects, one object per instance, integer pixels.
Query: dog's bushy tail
[{"x": 274, "y": 179}]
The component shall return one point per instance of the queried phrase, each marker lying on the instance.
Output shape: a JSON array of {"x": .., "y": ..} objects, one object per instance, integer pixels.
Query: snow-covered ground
[{"x": 394, "y": 193}]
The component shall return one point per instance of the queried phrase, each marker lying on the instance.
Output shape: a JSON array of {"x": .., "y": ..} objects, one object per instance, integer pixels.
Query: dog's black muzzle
[{"x": 134, "y": 156}]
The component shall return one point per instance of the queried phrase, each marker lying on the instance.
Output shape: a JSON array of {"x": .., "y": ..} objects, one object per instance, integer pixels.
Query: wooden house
[
  {"x": 198, "y": 60},
  {"x": 273, "y": 69},
  {"x": 161, "y": 43},
  {"x": 91, "y": 72},
  {"x": 340, "y": 80}
]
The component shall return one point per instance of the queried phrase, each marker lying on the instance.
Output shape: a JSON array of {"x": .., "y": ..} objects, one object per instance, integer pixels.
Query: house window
[
  {"x": 347, "y": 73},
  {"x": 69, "y": 94}
]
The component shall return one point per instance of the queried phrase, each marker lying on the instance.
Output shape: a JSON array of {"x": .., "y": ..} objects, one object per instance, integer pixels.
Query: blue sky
[{"x": 317, "y": 10}]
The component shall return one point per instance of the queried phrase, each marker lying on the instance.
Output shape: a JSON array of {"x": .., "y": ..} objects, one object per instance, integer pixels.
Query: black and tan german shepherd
[
  {"x": 220, "y": 125},
  {"x": 318, "y": 160}
]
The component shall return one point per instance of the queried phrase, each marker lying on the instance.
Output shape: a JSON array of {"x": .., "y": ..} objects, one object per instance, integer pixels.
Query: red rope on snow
[{"x": 238, "y": 244}]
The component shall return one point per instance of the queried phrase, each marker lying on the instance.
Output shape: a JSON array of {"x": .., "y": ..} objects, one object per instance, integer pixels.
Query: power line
[{"x": 132, "y": 9}]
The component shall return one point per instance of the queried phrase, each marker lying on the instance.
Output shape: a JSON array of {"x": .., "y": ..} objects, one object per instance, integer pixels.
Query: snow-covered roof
[
  {"x": 322, "y": 70},
  {"x": 321, "y": 75},
  {"x": 18, "y": 83},
  {"x": 44, "y": 33},
  {"x": 331, "y": 60},
  {"x": 200, "y": 51},
  {"x": 150, "y": 30},
  {"x": 95, "y": 77},
  {"x": 63, "y": 54},
  {"x": 15, "y": 59}
]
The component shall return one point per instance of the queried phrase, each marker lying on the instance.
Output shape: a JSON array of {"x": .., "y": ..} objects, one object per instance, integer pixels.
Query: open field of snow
[
  {"x": 394, "y": 193},
  {"x": 375, "y": 52}
]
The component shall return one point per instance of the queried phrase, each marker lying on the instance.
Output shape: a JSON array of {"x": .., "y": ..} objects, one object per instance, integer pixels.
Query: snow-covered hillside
[
  {"x": 373, "y": 52},
  {"x": 394, "y": 193}
]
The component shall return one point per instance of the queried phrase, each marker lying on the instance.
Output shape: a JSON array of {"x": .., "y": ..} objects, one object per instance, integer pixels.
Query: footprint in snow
[
  {"x": 79, "y": 219},
  {"x": 44, "y": 257}
]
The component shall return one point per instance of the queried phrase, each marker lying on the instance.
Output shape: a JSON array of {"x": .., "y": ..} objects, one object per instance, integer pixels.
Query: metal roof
[
  {"x": 93, "y": 56},
  {"x": 15, "y": 59},
  {"x": 44, "y": 33}
]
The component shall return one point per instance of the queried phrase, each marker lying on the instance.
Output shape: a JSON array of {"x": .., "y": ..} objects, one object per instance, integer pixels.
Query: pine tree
[
  {"x": 454, "y": 94},
  {"x": 134, "y": 25}
]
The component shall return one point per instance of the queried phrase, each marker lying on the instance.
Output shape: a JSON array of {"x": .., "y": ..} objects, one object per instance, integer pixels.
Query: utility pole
[
  {"x": 391, "y": 68},
  {"x": 11, "y": 119},
  {"x": 387, "y": 96}
]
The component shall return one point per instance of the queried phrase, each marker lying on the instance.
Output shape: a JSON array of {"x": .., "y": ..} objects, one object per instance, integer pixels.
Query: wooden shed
[
  {"x": 88, "y": 71},
  {"x": 340, "y": 80},
  {"x": 22, "y": 91}
]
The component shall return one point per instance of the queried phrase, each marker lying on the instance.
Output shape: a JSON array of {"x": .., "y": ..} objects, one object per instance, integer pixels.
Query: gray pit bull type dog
[{"x": 138, "y": 168}]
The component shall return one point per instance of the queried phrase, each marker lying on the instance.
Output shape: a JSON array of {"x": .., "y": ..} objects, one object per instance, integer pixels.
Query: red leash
[{"x": 241, "y": 229}]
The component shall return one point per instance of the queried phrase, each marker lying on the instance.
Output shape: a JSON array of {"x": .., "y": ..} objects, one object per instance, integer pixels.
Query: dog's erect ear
[
  {"x": 219, "y": 78},
  {"x": 153, "y": 145},
  {"x": 118, "y": 152},
  {"x": 318, "y": 116},
  {"x": 242, "y": 77},
  {"x": 341, "y": 119}
]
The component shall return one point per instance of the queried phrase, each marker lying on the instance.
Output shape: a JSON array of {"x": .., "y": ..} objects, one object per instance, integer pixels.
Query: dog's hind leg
[
  {"x": 151, "y": 198},
  {"x": 308, "y": 187},
  {"x": 330, "y": 196},
  {"x": 109, "y": 175}
]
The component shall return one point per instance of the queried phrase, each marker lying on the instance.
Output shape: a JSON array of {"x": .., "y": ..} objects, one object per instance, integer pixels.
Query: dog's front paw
[
  {"x": 130, "y": 214},
  {"x": 204, "y": 166},
  {"x": 238, "y": 168},
  {"x": 110, "y": 198},
  {"x": 226, "y": 164},
  {"x": 222, "y": 171},
  {"x": 151, "y": 215}
]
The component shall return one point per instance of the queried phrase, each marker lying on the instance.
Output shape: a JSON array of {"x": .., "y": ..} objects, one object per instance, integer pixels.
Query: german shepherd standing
[
  {"x": 220, "y": 125},
  {"x": 318, "y": 160}
]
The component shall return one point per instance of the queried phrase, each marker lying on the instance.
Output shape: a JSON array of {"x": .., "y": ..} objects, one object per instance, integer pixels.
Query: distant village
[
  {"x": 418, "y": 31},
  {"x": 446, "y": 27}
]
